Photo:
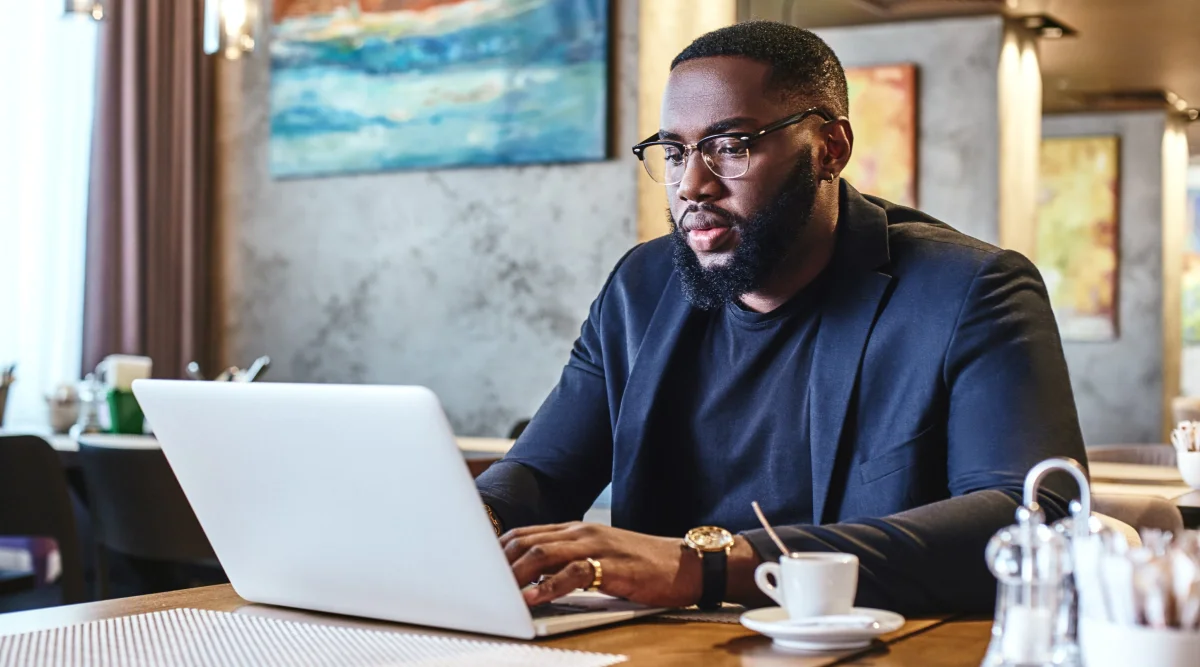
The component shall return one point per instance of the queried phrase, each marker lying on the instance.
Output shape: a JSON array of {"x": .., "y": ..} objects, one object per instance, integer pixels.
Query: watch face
[{"x": 709, "y": 538}]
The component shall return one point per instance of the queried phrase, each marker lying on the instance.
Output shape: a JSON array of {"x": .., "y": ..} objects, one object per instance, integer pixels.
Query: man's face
[{"x": 730, "y": 234}]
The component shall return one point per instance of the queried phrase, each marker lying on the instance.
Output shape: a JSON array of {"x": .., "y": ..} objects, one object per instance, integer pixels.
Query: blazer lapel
[
  {"x": 856, "y": 291},
  {"x": 641, "y": 394}
]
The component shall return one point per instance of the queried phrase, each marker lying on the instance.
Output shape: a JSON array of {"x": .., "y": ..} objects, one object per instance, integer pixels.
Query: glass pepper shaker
[{"x": 1032, "y": 563}]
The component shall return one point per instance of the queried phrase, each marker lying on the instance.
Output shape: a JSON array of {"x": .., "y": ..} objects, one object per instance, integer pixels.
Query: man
[{"x": 879, "y": 382}]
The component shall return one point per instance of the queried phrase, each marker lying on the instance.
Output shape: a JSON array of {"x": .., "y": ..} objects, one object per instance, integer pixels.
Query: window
[{"x": 47, "y": 88}]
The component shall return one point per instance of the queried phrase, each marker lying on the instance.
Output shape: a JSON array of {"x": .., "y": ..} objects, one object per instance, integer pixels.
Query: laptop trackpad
[{"x": 583, "y": 609}]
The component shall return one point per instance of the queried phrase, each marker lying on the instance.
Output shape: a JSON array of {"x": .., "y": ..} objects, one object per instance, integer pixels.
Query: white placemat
[{"x": 202, "y": 638}]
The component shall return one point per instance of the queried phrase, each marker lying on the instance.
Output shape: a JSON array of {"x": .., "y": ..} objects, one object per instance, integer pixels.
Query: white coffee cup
[{"x": 811, "y": 584}]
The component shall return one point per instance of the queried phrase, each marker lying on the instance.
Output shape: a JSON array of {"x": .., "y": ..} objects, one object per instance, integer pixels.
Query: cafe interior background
[{"x": 222, "y": 181}]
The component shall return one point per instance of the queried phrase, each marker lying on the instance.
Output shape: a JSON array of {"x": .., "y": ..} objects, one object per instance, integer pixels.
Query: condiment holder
[
  {"x": 1113, "y": 605},
  {"x": 1186, "y": 440}
]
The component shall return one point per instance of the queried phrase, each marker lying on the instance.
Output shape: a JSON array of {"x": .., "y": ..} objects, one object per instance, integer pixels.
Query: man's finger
[
  {"x": 531, "y": 530},
  {"x": 578, "y": 574},
  {"x": 520, "y": 545},
  {"x": 546, "y": 558}
]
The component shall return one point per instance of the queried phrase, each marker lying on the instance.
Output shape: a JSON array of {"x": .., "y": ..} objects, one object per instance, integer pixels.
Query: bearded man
[{"x": 878, "y": 381}]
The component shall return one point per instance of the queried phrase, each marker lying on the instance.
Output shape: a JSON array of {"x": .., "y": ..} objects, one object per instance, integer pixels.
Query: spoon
[{"x": 770, "y": 531}]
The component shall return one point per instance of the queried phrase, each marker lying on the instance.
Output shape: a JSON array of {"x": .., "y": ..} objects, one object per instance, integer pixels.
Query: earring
[{"x": 832, "y": 176}]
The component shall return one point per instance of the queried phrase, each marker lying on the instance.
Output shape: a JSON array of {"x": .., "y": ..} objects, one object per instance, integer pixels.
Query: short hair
[{"x": 802, "y": 64}]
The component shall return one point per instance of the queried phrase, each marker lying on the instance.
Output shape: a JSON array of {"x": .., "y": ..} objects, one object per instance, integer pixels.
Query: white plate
[{"x": 773, "y": 622}]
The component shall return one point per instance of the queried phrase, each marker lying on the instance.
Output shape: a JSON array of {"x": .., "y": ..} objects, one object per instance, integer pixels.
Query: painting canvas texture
[
  {"x": 372, "y": 85},
  {"x": 883, "y": 113},
  {"x": 1076, "y": 235},
  {"x": 1191, "y": 272}
]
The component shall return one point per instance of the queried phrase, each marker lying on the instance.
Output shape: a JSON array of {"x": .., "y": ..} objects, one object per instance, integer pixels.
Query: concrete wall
[
  {"x": 471, "y": 281},
  {"x": 1119, "y": 384},
  {"x": 958, "y": 151}
]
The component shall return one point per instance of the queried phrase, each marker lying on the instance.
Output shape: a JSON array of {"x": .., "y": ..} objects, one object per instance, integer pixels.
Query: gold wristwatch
[
  {"x": 713, "y": 545},
  {"x": 495, "y": 522}
]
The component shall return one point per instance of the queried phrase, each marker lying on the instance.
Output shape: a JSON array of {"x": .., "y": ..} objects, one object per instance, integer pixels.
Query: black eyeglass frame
[{"x": 749, "y": 138}]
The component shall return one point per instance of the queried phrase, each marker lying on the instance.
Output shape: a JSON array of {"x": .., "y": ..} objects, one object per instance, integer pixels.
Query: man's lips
[
  {"x": 707, "y": 231},
  {"x": 709, "y": 240}
]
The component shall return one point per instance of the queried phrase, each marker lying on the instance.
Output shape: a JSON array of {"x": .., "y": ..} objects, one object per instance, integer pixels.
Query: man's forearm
[
  {"x": 739, "y": 585},
  {"x": 926, "y": 560}
]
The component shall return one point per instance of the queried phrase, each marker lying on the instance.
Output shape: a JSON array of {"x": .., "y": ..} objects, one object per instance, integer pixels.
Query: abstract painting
[
  {"x": 883, "y": 112},
  {"x": 1076, "y": 235},
  {"x": 372, "y": 85},
  {"x": 1191, "y": 271}
]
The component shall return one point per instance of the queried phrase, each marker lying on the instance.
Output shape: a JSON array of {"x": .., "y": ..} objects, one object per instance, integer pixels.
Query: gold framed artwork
[
  {"x": 1077, "y": 234},
  {"x": 883, "y": 113},
  {"x": 1191, "y": 271}
]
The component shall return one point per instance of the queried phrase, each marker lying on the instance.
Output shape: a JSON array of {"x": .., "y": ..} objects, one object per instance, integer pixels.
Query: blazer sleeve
[
  {"x": 563, "y": 459},
  {"x": 1010, "y": 406}
]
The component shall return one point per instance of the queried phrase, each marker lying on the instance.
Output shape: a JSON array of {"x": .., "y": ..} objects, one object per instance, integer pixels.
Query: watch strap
[{"x": 713, "y": 565}]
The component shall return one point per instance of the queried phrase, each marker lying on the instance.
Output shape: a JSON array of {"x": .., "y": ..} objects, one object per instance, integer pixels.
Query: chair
[
  {"x": 34, "y": 501},
  {"x": 1137, "y": 511},
  {"x": 1140, "y": 512},
  {"x": 140, "y": 511},
  {"x": 1147, "y": 454}
]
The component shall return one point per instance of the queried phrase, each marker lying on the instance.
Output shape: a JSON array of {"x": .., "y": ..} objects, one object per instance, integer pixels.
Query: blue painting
[{"x": 373, "y": 85}]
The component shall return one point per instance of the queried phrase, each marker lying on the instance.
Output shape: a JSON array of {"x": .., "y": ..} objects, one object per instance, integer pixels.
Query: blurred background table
[{"x": 1136, "y": 479}]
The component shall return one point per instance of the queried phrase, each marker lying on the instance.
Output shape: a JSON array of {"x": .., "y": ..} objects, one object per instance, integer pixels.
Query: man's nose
[{"x": 699, "y": 183}]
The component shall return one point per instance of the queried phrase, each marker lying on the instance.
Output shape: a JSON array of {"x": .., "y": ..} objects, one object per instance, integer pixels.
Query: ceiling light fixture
[
  {"x": 1048, "y": 27},
  {"x": 1192, "y": 114}
]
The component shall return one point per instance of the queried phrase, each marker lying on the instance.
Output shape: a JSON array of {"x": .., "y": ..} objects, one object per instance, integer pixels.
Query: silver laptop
[{"x": 351, "y": 500}]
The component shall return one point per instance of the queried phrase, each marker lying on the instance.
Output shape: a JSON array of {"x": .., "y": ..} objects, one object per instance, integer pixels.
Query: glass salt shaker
[
  {"x": 91, "y": 398},
  {"x": 1032, "y": 564}
]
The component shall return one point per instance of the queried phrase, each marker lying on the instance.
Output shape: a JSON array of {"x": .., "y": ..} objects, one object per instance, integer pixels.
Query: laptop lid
[{"x": 343, "y": 499}]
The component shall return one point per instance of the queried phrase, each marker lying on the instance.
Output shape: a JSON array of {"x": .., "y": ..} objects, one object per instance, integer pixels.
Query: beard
[{"x": 764, "y": 240}]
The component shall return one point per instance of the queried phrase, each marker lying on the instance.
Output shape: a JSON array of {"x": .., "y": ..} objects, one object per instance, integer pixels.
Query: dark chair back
[
  {"x": 139, "y": 509},
  {"x": 34, "y": 500}
]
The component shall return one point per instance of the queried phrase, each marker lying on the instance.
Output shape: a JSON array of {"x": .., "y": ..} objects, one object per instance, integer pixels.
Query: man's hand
[{"x": 655, "y": 571}]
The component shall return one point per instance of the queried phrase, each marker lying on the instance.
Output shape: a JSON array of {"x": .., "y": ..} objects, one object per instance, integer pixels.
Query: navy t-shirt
[{"x": 722, "y": 438}]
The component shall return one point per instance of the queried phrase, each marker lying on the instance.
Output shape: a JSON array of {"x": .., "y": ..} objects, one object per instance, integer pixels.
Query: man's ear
[{"x": 837, "y": 147}]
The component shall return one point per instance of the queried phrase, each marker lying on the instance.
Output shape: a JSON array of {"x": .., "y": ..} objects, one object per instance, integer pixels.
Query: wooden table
[
  {"x": 661, "y": 642},
  {"x": 1147, "y": 480}
]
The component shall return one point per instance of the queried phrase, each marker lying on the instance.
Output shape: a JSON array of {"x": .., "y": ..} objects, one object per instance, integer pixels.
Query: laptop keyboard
[{"x": 559, "y": 609}]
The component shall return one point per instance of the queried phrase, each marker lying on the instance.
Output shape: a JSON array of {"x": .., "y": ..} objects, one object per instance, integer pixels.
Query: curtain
[
  {"x": 148, "y": 238},
  {"x": 45, "y": 130}
]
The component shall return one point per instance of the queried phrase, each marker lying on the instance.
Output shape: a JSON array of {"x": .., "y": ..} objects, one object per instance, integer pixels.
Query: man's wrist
[
  {"x": 496, "y": 525},
  {"x": 739, "y": 584}
]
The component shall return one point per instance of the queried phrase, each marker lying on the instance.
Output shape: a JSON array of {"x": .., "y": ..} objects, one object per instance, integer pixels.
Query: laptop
[{"x": 350, "y": 500}]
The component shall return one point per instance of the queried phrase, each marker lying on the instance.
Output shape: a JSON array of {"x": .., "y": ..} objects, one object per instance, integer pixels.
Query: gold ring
[{"x": 597, "y": 574}]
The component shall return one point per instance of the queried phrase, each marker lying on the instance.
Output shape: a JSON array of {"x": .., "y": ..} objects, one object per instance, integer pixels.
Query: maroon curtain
[{"x": 149, "y": 228}]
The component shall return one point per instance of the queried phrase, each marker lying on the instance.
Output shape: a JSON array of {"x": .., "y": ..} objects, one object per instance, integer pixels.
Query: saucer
[{"x": 774, "y": 623}]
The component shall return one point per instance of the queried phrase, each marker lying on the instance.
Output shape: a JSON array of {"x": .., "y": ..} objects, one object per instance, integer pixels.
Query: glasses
[{"x": 727, "y": 154}]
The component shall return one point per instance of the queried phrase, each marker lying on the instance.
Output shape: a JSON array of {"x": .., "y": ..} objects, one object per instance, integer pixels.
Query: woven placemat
[
  {"x": 728, "y": 613},
  {"x": 202, "y": 638}
]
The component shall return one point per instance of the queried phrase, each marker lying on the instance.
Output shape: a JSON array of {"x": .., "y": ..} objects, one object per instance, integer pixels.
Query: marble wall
[
  {"x": 1118, "y": 385},
  {"x": 472, "y": 282}
]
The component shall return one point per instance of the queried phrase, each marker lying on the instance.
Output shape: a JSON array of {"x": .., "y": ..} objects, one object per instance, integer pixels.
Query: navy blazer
[{"x": 940, "y": 380}]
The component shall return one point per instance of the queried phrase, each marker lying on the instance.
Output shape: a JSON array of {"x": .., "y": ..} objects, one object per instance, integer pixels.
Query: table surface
[
  {"x": 664, "y": 642},
  {"x": 65, "y": 444},
  {"x": 1147, "y": 480}
]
